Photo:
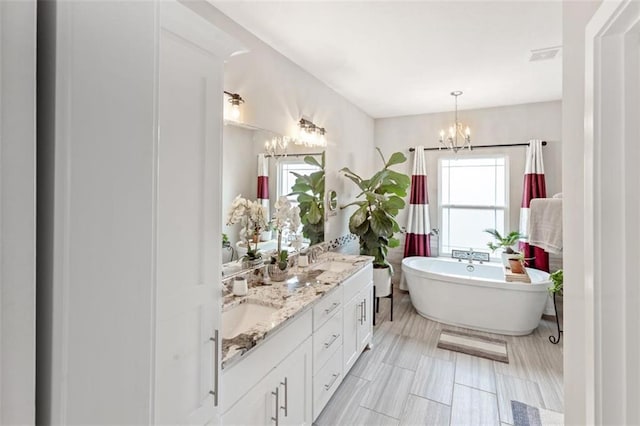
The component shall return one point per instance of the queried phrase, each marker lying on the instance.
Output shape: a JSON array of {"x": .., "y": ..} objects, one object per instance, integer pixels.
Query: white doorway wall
[
  {"x": 612, "y": 209},
  {"x": 17, "y": 211}
]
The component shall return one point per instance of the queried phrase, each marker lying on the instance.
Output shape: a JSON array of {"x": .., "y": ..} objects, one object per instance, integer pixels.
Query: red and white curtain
[
  {"x": 263, "y": 182},
  {"x": 534, "y": 187},
  {"x": 417, "y": 241}
]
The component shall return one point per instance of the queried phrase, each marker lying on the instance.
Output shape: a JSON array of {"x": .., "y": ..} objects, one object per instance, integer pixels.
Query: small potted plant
[
  {"x": 286, "y": 217},
  {"x": 557, "y": 278},
  {"x": 506, "y": 242}
]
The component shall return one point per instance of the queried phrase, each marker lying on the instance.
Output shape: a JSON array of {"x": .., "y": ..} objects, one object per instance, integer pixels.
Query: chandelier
[
  {"x": 310, "y": 135},
  {"x": 455, "y": 131},
  {"x": 276, "y": 147}
]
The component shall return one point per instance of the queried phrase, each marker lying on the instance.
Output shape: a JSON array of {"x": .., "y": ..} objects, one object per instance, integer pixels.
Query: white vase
[
  {"x": 240, "y": 287},
  {"x": 382, "y": 281}
]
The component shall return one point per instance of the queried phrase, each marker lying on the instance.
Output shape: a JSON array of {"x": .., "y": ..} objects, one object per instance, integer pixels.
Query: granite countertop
[{"x": 303, "y": 288}]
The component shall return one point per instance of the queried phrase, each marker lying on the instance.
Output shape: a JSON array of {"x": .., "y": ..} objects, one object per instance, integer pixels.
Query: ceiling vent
[{"x": 544, "y": 54}]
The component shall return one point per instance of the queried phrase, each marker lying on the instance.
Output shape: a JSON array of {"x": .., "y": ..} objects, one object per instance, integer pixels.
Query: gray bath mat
[
  {"x": 527, "y": 415},
  {"x": 474, "y": 344}
]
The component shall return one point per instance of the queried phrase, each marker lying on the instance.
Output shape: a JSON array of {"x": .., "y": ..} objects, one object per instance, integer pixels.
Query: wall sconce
[
  {"x": 233, "y": 113},
  {"x": 310, "y": 135}
]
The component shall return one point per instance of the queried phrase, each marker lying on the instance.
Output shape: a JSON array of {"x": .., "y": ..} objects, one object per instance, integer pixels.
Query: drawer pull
[
  {"x": 332, "y": 308},
  {"x": 277, "y": 417},
  {"x": 364, "y": 311},
  {"x": 330, "y": 384},
  {"x": 330, "y": 342},
  {"x": 285, "y": 407}
]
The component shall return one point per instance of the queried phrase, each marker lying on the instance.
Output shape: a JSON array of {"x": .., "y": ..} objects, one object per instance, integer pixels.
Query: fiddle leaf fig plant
[
  {"x": 310, "y": 192},
  {"x": 379, "y": 202}
]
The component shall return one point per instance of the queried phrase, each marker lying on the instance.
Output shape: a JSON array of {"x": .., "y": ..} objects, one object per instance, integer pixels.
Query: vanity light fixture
[
  {"x": 455, "y": 131},
  {"x": 235, "y": 100},
  {"x": 310, "y": 135},
  {"x": 276, "y": 147}
]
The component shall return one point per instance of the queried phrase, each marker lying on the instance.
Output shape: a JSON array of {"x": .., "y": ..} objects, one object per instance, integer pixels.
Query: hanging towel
[{"x": 545, "y": 224}]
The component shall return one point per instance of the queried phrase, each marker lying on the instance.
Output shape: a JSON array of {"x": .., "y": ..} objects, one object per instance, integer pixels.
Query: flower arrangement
[
  {"x": 285, "y": 217},
  {"x": 252, "y": 215}
]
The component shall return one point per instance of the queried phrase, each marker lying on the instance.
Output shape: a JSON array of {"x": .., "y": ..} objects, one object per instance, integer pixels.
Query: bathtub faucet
[{"x": 470, "y": 255}]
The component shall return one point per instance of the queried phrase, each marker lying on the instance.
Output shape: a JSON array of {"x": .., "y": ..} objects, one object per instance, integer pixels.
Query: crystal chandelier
[
  {"x": 276, "y": 147},
  {"x": 455, "y": 132},
  {"x": 310, "y": 135}
]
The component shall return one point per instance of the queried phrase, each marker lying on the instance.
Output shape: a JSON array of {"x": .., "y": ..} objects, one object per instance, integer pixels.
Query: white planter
[{"x": 382, "y": 281}]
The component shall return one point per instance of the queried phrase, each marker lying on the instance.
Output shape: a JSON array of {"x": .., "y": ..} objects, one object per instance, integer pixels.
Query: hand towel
[{"x": 545, "y": 224}]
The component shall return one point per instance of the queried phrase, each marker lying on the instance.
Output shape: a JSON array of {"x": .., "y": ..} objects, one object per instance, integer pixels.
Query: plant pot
[
  {"x": 248, "y": 264},
  {"x": 516, "y": 266},
  {"x": 382, "y": 281},
  {"x": 277, "y": 274},
  {"x": 506, "y": 257}
]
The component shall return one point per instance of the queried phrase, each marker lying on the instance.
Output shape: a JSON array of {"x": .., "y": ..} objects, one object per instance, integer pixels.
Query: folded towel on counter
[{"x": 545, "y": 224}]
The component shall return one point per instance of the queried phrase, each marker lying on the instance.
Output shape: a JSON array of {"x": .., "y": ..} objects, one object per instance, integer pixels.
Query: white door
[
  {"x": 17, "y": 212},
  {"x": 188, "y": 218},
  {"x": 294, "y": 379},
  {"x": 612, "y": 209},
  {"x": 365, "y": 326}
]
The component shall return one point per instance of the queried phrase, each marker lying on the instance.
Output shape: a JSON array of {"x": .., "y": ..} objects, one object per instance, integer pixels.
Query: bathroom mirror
[
  {"x": 242, "y": 165},
  {"x": 332, "y": 202}
]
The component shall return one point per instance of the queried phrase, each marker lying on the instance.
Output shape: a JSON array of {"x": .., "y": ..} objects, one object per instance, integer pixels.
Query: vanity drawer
[
  {"x": 354, "y": 284},
  {"x": 327, "y": 307},
  {"x": 327, "y": 340},
  {"x": 326, "y": 381}
]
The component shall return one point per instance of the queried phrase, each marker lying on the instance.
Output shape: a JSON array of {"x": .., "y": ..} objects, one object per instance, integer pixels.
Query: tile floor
[{"x": 406, "y": 380}]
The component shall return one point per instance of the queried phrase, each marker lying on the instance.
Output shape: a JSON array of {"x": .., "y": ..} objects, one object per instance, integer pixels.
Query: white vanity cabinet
[
  {"x": 358, "y": 311},
  {"x": 283, "y": 397}
]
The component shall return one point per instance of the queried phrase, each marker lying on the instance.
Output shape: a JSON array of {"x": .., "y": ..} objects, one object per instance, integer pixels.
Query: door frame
[
  {"x": 17, "y": 211},
  {"x": 611, "y": 202}
]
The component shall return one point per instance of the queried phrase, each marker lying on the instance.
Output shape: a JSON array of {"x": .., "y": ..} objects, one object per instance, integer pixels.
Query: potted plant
[
  {"x": 374, "y": 220},
  {"x": 557, "y": 278},
  {"x": 310, "y": 192},
  {"x": 506, "y": 242},
  {"x": 252, "y": 215},
  {"x": 285, "y": 217}
]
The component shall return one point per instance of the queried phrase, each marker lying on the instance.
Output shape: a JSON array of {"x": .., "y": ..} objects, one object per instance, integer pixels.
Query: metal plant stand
[{"x": 553, "y": 339}]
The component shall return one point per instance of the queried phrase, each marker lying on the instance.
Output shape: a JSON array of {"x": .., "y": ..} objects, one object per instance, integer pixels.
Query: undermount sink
[
  {"x": 243, "y": 317},
  {"x": 333, "y": 266}
]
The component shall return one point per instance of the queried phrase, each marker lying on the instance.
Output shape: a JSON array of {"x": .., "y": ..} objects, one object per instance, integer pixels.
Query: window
[
  {"x": 472, "y": 198},
  {"x": 286, "y": 179}
]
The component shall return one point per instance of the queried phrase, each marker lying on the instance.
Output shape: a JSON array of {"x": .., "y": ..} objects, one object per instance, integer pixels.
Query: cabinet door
[
  {"x": 257, "y": 407},
  {"x": 187, "y": 221},
  {"x": 352, "y": 318},
  {"x": 365, "y": 326},
  {"x": 294, "y": 379}
]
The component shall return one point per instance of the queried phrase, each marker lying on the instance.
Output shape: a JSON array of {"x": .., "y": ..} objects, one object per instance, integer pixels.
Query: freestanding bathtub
[{"x": 475, "y": 296}]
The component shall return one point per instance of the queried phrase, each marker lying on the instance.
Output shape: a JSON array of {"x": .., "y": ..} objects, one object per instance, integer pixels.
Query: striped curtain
[
  {"x": 417, "y": 241},
  {"x": 263, "y": 182},
  {"x": 534, "y": 187}
]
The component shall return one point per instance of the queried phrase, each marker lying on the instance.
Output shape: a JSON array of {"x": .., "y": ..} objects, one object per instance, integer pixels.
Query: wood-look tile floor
[{"x": 406, "y": 380}]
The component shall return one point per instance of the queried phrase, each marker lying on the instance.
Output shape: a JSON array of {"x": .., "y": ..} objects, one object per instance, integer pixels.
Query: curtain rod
[
  {"x": 544, "y": 143},
  {"x": 295, "y": 155}
]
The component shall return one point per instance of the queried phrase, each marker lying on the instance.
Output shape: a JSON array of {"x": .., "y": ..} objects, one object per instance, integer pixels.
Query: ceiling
[{"x": 393, "y": 58}]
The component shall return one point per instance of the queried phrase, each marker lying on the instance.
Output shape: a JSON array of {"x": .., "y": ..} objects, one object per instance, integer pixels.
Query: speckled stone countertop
[{"x": 304, "y": 287}]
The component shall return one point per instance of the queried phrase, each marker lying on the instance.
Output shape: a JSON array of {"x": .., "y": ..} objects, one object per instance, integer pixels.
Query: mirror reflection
[{"x": 252, "y": 183}]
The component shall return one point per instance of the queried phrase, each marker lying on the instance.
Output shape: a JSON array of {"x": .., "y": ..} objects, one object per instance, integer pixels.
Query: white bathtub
[{"x": 451, "y": 292}]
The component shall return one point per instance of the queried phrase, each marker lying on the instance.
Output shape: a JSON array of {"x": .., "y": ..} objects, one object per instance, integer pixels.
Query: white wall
[
  {"x": 575, "y": 17},
  {"x": 278, "y": 93},
  {"x": 501, "y": 125},
  {"x": 17, "y": 211}
]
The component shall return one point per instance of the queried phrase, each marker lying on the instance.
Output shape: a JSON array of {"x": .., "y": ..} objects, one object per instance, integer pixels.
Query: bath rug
[
  {"x": 527, "y": 415},
  {"x": 473, "y": 344}
]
